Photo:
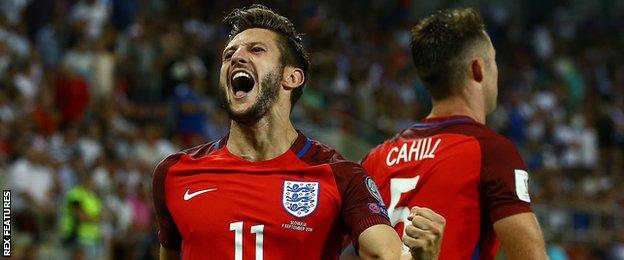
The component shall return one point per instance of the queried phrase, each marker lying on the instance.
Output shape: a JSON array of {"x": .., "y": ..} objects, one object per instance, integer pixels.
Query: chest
[{"x": 283, "y": 206}]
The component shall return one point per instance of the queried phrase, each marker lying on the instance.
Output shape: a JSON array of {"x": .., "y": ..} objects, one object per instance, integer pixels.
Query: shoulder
[
  {"x": 498, "y": 144},
  {"x": 319, "y": 153},
  {"x": 499, "y": 156},
  {"x": 163, "y": 166},
  {"x": 203, "y": 149},
  {"x": 491, "y": 143},
  {"x": 373, "y": 155},
  {"x": 347, "y": 168},
  {"x": 315, "y": 153},
  {"x": 495, "y": 146}
]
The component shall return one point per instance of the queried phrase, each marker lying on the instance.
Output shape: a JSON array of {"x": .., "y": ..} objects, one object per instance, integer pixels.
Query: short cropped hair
[{"x": 440, "y": 46}]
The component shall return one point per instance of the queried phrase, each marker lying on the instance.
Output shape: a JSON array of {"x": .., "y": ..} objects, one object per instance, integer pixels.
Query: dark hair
[
  {"x": 289, "y": 41},
  {"x": 440, "y": 44}
]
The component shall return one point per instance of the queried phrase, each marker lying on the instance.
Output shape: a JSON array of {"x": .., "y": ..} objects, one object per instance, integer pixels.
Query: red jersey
[
  {"x": 460, "y": 169},
  {"x": 212, "y": 204}
]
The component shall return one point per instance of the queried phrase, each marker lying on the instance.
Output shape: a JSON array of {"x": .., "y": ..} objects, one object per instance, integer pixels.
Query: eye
[
  {"x": 227, "y": 55},
  {"x": 257, "y": 49}
]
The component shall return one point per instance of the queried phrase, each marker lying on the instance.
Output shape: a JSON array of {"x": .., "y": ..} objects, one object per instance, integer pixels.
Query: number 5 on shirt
[{"x": 399, "y": 186}]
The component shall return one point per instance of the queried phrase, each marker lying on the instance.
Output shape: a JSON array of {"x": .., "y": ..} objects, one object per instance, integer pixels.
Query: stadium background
[{"x": 104, "y": 89}]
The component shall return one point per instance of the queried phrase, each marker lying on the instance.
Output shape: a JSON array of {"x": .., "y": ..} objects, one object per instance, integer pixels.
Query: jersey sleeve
[
  {"x": 362, "y": 206},
  {"x": 504, "y": 179},
  {"x": 168, "y": 233}
]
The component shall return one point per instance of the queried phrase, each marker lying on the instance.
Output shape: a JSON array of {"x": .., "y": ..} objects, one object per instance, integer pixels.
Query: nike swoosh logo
[{"x": 188, "y": 196}]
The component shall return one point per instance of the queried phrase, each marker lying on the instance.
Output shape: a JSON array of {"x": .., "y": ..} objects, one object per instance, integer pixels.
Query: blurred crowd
[{"x": 94, "y": 93}]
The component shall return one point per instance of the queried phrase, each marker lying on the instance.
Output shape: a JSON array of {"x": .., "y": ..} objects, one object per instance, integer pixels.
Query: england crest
[{"x": 300, "y": 198}]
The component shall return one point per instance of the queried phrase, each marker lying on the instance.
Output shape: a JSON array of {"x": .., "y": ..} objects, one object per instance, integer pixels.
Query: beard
[{"x": 269, "y": 88}]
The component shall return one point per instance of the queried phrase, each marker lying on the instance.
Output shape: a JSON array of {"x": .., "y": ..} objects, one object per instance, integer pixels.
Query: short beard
[{"x": 269, "y": 90}]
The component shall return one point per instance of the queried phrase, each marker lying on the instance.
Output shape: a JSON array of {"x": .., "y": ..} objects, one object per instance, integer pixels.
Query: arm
[
  {"x": 506, "y": 199},
  {"x": 423, "y": 237},
  {"x": 364, "y": 214},
  {"x": 521, "y": 237},
  {"x": 166, "y": 254},
  {"x": 379, "y": 242},
  {"x": 376, "y": 242}
]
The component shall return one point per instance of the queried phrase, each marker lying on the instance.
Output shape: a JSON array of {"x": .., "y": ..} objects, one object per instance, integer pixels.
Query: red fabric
[
  {"x": 249, "y": 195},
  {"x": 5, "y": 147},
  {"x": 72, "y": 98},
  {"x": 45, "y": 121},
  {"x": 468, "y": 177}
]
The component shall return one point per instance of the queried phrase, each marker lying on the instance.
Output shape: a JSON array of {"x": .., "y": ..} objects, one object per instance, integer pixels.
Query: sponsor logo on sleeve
[{"x": 522, "y": 185}]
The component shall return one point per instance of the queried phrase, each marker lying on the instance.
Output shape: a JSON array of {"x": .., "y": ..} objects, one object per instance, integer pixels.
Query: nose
[{"x": 240, "y": 56}]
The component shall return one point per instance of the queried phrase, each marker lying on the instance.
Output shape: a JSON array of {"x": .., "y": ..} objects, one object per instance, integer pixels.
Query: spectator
[
  {"x": 153, "y": 147},
  {"x": 72, "y": 96},
  {"x": 80, "y": 220},
  {"x": 93, "y": 14},
  {"x": 190, "y": 110},
  {"x": 121, "y": 217}
]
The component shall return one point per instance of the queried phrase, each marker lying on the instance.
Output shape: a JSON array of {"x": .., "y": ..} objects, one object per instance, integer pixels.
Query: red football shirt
[
  {"x": 212, "y": 204},
  {"x": 460, "y": 169}
]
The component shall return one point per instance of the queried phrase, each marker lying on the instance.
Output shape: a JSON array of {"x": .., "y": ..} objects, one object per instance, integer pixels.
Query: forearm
[
  {"x": 528, "y": 250},
  {"x": 379, "y": 242},
  {"x": 521, "y": 237}
]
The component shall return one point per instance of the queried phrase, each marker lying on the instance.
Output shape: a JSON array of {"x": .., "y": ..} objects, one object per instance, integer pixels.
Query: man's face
[
  {"x": 251, "y": 74},
  {"x": 490, "y": 82}
]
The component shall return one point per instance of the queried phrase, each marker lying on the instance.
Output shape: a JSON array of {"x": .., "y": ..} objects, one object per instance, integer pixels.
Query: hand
[{"x": 424, "y": 236}]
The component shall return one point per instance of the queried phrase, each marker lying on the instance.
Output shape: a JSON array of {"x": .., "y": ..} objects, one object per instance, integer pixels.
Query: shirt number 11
[{"x": 237, "y": 227}]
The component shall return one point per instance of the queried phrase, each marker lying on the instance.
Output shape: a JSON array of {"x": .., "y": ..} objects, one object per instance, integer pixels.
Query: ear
[
  {"x": 476, "y": 70},
  {"x": 292, "y": 78}
]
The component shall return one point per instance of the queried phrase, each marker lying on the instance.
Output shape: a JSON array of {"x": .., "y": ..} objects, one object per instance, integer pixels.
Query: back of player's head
[
  {"x": 289, "y": 41},
  {"x": 442, "y": 45}
]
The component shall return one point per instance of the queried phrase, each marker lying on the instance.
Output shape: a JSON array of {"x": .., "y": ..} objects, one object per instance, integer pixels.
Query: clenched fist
[{"x": 424, "y": 236}]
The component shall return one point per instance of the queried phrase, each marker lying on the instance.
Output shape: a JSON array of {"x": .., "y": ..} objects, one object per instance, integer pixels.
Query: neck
[
  {"x": 457, "y": 106},
  {"x": 266, "y": 139}
]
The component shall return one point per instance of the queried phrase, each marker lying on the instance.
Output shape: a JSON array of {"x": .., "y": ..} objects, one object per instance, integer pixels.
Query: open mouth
[{"x": 242, "y": 83}]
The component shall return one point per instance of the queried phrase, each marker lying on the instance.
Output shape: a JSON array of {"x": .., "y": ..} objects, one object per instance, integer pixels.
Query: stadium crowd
[{"x": 94, "y": 93}]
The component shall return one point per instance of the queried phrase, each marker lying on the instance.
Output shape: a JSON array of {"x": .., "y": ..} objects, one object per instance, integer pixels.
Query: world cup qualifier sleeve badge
[{"x": 300, "y": 198}]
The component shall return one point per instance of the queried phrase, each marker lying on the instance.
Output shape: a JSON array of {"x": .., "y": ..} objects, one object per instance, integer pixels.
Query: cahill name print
[{"x": 415, "y": 150}]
